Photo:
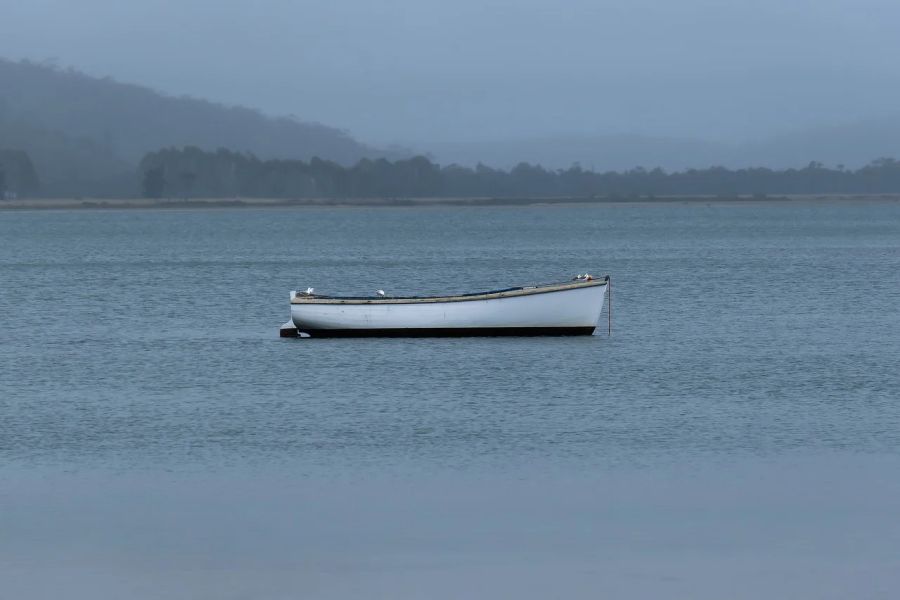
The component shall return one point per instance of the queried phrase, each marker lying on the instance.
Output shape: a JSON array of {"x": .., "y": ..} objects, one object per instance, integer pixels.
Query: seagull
[
  {"x": 309, "y": 291},
  {"x": 380, "y": 292}
]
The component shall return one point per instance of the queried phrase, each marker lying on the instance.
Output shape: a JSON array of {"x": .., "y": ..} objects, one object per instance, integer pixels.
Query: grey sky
[{"x": 415, "y": 71}]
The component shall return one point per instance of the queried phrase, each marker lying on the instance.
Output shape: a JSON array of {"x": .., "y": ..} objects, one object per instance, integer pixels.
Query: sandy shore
[{"x": 209, "y": 203}]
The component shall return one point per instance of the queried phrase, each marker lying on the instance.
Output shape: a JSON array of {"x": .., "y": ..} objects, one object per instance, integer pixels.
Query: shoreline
[{"x": 56, "y": 204}]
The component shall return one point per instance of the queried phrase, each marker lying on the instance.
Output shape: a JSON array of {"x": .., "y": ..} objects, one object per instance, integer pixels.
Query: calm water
[{"x": 742, "y": 424}]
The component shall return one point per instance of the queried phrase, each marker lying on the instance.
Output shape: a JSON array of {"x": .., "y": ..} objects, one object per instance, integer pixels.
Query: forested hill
[
  {"x": 86, "y": 135},
  {"x": 193, "y": 173}
]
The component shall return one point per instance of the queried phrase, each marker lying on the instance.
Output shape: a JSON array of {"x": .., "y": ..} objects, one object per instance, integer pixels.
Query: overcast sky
[{"x": 414, "y": 71}]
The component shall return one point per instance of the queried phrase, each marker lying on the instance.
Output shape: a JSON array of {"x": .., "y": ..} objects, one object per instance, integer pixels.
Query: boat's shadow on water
[{"x": 458, "y": 358}]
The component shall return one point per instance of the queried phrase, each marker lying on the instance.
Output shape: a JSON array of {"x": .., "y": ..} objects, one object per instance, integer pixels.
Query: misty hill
[
  {"x": 600, "y": 152},
  {"x": 86, "y": 136},
  {"x": 852, "y": 144},
  {"x": 87, "y": 133}
]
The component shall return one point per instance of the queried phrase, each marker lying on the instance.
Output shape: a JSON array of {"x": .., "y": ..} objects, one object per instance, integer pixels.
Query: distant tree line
[{"x": 191, "y": 172}]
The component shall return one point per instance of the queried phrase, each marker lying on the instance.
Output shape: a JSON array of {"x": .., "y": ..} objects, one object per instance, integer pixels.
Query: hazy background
[{"x": 611, "y": 84}]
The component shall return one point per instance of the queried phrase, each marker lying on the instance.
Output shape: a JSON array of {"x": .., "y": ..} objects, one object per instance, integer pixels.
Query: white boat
[{"x": 571, "y": 308}]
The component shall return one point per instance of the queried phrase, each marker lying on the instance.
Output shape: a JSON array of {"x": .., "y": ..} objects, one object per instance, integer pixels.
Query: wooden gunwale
[{"x": 511, "y": 293}]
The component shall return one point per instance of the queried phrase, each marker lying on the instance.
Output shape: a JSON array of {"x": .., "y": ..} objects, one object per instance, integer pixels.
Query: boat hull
[{"x": 574, "y": 310}]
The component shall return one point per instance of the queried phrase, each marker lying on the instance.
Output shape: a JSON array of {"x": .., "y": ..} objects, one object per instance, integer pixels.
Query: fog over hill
[
  {"x": 851, "y": 144},
  {"x": 600, "y": 82},
  {"x": 598, "y": 152},
  {"x": 86, "y": 134}
]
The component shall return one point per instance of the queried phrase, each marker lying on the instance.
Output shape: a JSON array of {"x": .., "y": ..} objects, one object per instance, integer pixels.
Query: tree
[
  {"x": 188, "y": 178},
  {"x": 154, "y": 183},
  {"x": 224, "y": 173},
  {"x": 19, "y": 176}
]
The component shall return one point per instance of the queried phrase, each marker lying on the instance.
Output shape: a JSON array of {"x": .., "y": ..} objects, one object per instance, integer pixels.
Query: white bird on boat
[
  {"x": 380, "y": 292},
  {"x": 309, "y": 291}
]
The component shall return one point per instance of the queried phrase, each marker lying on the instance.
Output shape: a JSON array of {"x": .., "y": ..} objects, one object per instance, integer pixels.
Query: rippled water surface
[{"x": 141, "y": 349}]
